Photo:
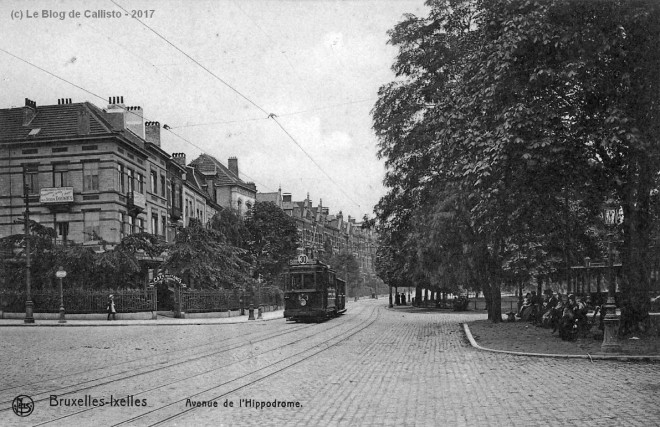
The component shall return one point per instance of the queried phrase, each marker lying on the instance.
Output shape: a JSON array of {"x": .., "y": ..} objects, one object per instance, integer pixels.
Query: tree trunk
[{"x": 495, "y": 311}]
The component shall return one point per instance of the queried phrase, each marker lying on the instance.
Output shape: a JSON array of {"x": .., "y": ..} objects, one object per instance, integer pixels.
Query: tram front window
[{"x": 302, "y": 281}]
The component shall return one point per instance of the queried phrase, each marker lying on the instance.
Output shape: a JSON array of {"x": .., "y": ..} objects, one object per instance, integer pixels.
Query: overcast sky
[{"x": 317, "y": 65}]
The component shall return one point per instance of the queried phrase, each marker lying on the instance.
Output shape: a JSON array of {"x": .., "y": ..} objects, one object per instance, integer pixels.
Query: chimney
[
  {"x": 232, "y": 163},
  {"x": 180, "y": 158},
  {"x": 83, "y": 121},
  {"x": 116, "y": 112},
  {"x": 29, "y": 111},
  {"x": 286, "y": 198},
  {"x": 152, "y": 132},
  {"x": 135, "y": 120}
]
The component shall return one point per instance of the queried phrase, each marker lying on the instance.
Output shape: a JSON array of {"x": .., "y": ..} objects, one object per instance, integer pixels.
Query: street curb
[
  {"x": 619, "y": 357},
  {"x": 114, "y": 325}
]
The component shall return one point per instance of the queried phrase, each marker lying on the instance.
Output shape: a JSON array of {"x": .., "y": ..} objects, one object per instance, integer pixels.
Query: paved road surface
[{"x": 373, "y": 366}]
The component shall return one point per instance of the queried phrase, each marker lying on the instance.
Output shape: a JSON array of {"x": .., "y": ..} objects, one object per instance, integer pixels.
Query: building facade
[{"x": 97, "y": 175}]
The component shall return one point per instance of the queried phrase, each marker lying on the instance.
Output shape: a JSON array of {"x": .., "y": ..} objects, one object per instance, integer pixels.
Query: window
[
  {"x": 139, "y": 182},
  {"x": 121, "y": 179},
  {"x": 154, "y": 223},
  {"x": 92, "y": 228},
  {"x": 90, "y": 176},
  {"x": 62, "y": 231},
  {"x": 122, "y": 224},
  {"x": 140, "y": 225},
  {"x": 131, "y": 180},
  {"x": 130, "y": 226},
  {"x": 162, "y": 185},
  {"x": 154, "y": 182},
  {"x": 31, "y": 178},
  {"x": 61, "y": 175},
  {"x": 163, "y": 226},
  {"x": 240, "y": 206}
]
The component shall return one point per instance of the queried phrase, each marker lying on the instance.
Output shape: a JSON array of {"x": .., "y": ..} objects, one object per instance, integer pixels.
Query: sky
[{"x": 315, "y": 65}]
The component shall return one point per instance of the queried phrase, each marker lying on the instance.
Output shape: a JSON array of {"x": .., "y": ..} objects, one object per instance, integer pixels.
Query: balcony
[{"x": 136, "y": 203}]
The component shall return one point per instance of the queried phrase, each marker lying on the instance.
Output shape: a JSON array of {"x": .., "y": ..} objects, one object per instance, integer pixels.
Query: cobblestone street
[{"x": 373, "y": 366}]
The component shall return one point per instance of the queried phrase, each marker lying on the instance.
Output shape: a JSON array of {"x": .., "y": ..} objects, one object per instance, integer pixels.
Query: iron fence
[
  {"x": 193, "y": 300},
  {"x": 80, "y": 301}
]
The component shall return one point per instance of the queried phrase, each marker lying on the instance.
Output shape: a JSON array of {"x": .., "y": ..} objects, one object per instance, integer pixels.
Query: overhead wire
[
  {"x": 165, "y": 127},
  {"x": 329, "y": 106},
  {"x": 239, "y": 93},
  {"x": 312, "y": 159}
]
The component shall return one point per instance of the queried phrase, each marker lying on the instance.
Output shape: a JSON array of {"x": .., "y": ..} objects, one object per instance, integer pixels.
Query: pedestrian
[
  {"x": 111, "y": 307},
  {"x": 403, "y": 298}
]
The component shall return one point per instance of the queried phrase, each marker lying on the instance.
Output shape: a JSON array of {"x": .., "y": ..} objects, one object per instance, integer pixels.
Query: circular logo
[
  {"x": 302, "y": 259},
  {"x": 22, "y": 405},
  {"x": 302, "y": 300}
]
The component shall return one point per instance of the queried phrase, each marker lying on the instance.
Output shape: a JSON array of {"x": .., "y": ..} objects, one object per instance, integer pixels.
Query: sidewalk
[{"x": 159, "y": 321}]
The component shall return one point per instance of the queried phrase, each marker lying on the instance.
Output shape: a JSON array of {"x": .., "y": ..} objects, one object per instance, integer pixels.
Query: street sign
[
  {"x": 302, "y": 259},
  {"x": 60, "y": 274}
]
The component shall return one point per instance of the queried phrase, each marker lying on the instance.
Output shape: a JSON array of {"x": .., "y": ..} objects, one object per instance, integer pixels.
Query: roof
[
  {"x": 54, "y": 121},
  {"x": 221, "y": 175}
]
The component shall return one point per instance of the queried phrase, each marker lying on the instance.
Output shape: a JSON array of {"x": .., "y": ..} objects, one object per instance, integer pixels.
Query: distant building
[
  {"x": 274, "y": 197},
  {"x": 223, "y": 183},
  {"x": 323, "y": 234}
]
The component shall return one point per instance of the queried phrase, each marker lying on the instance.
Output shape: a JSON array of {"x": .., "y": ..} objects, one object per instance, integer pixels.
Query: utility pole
[{"x": 29, "y": 306}]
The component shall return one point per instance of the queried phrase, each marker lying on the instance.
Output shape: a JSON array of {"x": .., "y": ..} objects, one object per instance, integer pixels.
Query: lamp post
[
  {"x": 587, "y": 264},
  {"x": 29, "y": 306},
  {"x": 61, "y": 274},
  {"x": 611, "y": 320}
]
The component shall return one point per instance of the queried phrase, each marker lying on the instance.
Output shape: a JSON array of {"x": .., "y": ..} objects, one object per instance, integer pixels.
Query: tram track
[
  {"x": 195, "y": 372},
  {"x": 129, "y": 371},
  {"x": 161, "y": 355},
  {"x": 235, "y": 384}
]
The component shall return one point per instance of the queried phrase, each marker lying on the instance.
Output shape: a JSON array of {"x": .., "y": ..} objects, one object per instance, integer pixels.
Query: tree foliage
[
  {"x": 509, "y": 124},
  {"x": 203, "y": 258},
  {"x": 272, "y": 239}
]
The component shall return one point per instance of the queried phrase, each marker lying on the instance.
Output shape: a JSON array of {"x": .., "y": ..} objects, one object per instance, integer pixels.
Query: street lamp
[
  {"x": 611, "y": 321},
  {"x": 587, "y": 264},
  {"x": 61, "y": 274},
  {"x": 29, "y": 306}
]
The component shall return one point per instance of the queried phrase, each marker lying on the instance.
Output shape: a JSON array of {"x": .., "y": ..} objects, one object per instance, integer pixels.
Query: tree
[
  {"x": 120, "y": 266},
  {"x": 230, "y": 224},
  {"x": 203, "y": 257},
  {"x": 346, "y": 266},
  {"x": 524, "y": 110},
  {"x": 272, "y": 241}
]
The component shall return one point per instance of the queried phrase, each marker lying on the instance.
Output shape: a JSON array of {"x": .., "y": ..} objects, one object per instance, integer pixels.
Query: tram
[{"x": 312, "y": 291}]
